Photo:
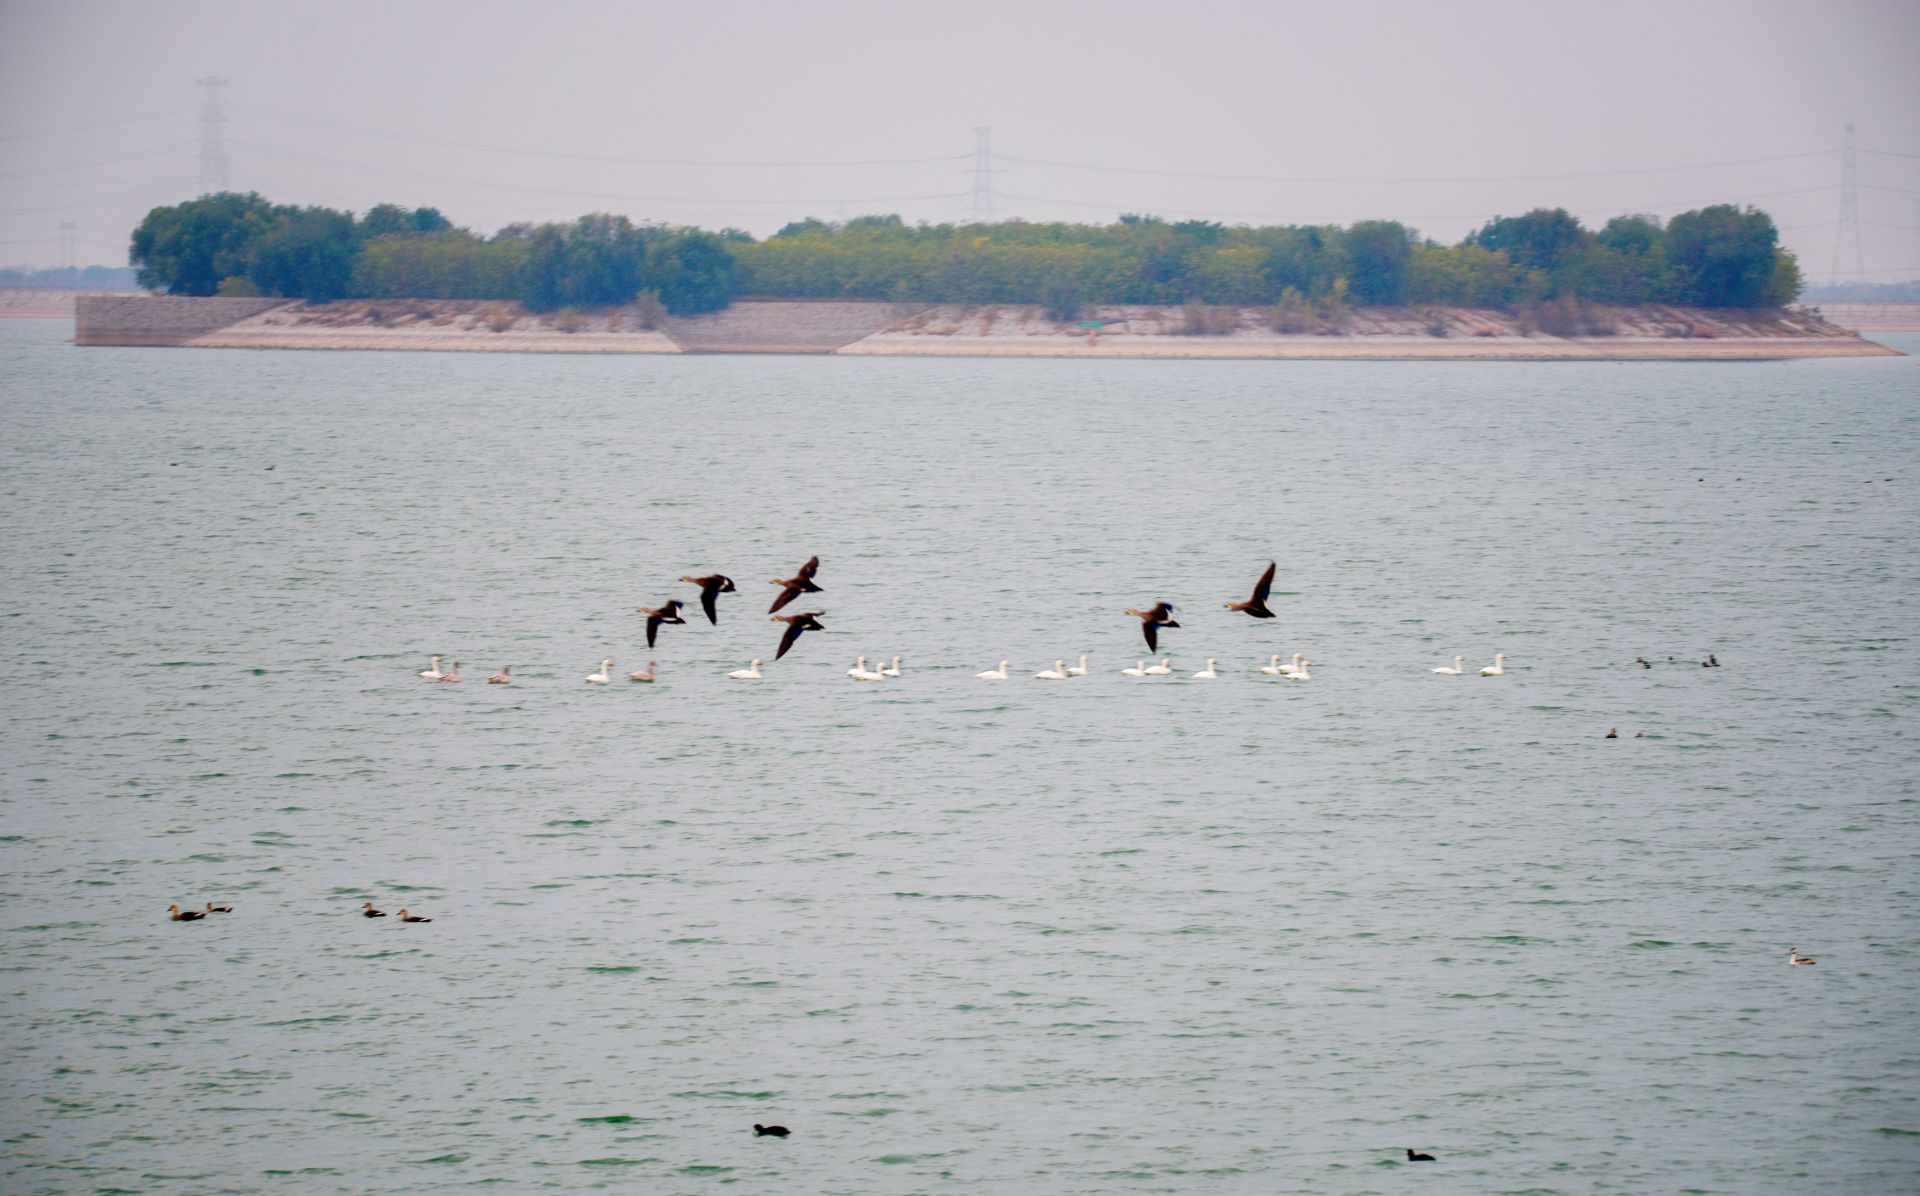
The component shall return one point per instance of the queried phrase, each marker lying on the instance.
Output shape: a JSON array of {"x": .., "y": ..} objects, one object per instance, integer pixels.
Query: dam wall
[{"x": 158, "y": 319}]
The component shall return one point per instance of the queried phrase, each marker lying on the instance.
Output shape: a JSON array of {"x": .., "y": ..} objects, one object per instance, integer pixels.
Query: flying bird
[
  {"x": 710, "y": 588},
  {"x": 800, "y": 583},
  {"x": 804, "y": 621},
  {"x": 1152, "y": 620},
  {"x": 670, "y": 613},
  {"x": 1257, "y": 605}
]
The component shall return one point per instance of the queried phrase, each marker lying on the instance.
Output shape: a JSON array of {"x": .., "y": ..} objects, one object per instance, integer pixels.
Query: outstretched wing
[
  {"x": 708, "y": 596},
  {"x": 810, "y": 568},
  {"x": 653, "y": 628},
  {"x": 787, "y": 595},
  {"x": 1151, "y": 630},
  {"x": 1265, "y": 584},
  {"x": 786, "y": 640}
]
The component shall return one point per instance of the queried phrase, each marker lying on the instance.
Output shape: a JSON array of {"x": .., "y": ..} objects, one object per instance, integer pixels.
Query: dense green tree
[
  {"x": 1377, "y": 253},
  {"x": 1724, "y": 256},
  {"x": 188, "y": 248},
  {"x": 1537, "y": 240},
  {"x": 695, "y": 273},
  {"x": 304, "y": 253}
]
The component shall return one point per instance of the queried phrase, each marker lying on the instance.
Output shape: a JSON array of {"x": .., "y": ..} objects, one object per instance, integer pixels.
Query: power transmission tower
[
  {"x": 983, "y": 174},
  {"x": 1846, "y": 234},
  {"x": 213, "y": 150},
  {"x": 67, "y": 256}
]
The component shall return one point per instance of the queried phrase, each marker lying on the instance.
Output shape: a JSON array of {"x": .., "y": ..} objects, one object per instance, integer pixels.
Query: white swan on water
[
  {"x": 1495, "y": 669},
  {"x": 603, "y": 676},
  {"x": 750, "y": 673},
  {"x": 1057, "y": 673},
  {"x": 1163, "y": 669},
  {"x": 859, "y": 667},
  {"x": 1139, "y": 669},
  {"x": 1272, "y": 667},
  {"x": 892, "y": 670},
  {"x": 1301, "y": 674},
  {"x": 866, "y": 674},
  {"x": 999, "y": 674},
  {"x": 1207, "y": 674},
  {"x": 1291, "y": 667},
  {"x": 432, "y": 672},
  {"x": 1079, "y": 670},
  {"x": 1455, "y": 671}
]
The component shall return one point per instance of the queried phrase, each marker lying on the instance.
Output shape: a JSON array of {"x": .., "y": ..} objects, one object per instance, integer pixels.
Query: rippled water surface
[{"x": 1245, "y": 935}]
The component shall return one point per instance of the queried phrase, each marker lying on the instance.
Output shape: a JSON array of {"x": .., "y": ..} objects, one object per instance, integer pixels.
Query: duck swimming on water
[
  {"x": 185, "y": 915},
  {"x": 367, "y": 911}
]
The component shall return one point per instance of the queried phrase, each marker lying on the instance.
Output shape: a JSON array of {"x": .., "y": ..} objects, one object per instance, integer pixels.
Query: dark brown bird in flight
[
  {"x": 711, "y": 587},
  {"x": 670, "y": 613},
  {"x": 1151, "y": 620},
  {"x": 1257, "y": 605},
  {"x": 800, "y": 583},
  {"x": 805, "y": 621}
]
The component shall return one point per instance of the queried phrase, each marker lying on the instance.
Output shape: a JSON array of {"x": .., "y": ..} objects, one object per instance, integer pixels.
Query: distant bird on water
[
  {"x": 367, "y": 911},
  {"x": 185, "y": 915},
  {"x": 645, "y": 674},
  {"x": 711, "y": 587},
  {"x": 1455, "y": 671},
  {"x": 999, "y": 674},
  {"x": 804, "y": 621},
  {"x": 218, "y": 909},
  {"x": 1257, "y": 605},
  {"x": 452, "y": 676},
  {"x": 770, "y": 1131},
  {"x": 1152, "y": 620},
  {"x": 1612, "y": 733},
  {"x": 407, "y": 917},
  {"x": 750, "y": 673},
  {"x": 668, "y": 613},
  {"x": 1415, "y": 1157},
  {"x": 1498, "y": 668},
  {"x": 603, "y": 676},
  {"x": 503, "y": 677},
  {"x": 1794, "y": 957},
  {"x": 432, "y": 671},
  {"x": 800, "y": 583}
]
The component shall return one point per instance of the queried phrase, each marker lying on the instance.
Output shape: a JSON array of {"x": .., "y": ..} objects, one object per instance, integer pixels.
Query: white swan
[
  {"x": 603, "y": 676},
  {"x": 1291, "y": 667},
  {"x": 1139, "y": 669},
  {"x": 892, "y": 670},
  {"x": 999, "y": 674},
  {"x": 1057, "y": 673},
  {"x": 453, "y": 675},
  {"x": 750, "y": 673},
  {"x": 432, "y": 672},
  {"x": 645, "y": 675},
  {"x": 1301, "y": 674},
  {"x": 859, "y": 667},
  {"x": 1207, "y": 674},
  {"x": 1079, "y": 670},
  {"x": 1455, "y": 671},
  {"x": 1272, "y": 667},
  {"x": 866, "y": 674},
  {"x": 1163, "y": 669},
  {"x": 1495, "y": 669}
]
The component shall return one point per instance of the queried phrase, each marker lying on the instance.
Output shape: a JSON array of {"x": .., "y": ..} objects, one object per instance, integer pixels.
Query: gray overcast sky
[{"x": 1427, "y": 111}]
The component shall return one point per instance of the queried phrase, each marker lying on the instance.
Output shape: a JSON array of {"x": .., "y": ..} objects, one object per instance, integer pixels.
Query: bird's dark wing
[
  {"x": 708, "y": 596},
  {"x": 810, "y": 568},
  {"x": 1265, "y": 584},
  {"x": 1151, "y": 630},
  {"x": 653, "y": 628},
  {"x": 787, "y": 595},
  {"x": 786, "y": 640}
]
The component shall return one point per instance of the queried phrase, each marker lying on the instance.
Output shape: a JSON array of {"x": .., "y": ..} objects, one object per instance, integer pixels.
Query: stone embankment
[
  {"x": 30, "y": 304},
  {"x": 892, "y": 330}
]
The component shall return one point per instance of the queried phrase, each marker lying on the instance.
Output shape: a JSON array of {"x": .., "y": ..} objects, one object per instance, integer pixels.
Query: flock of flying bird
[{"x": 1152, "y": 620}]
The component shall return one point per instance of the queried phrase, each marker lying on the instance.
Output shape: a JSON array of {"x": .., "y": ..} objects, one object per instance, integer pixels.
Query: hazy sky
[{"x": 750, "y": 115}]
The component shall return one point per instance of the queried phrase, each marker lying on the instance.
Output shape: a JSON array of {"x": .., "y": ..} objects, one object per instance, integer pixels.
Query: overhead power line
[
  {"x": 449, "y": 143},
  {"x": 114, "y": 160},
  {"x": 99, "y": 124},
  {"x": 1509, "y": 178}
]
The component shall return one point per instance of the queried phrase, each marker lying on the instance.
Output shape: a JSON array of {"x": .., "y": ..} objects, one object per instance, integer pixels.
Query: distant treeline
[
  {"x": 1720, "y": 256},
  {"x": 68, "y": 278}
]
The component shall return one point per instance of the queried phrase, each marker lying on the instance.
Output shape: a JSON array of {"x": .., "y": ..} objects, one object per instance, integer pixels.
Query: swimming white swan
[
  {"x": 433, "y": 672},
  {"x": 1163, "y": 669},
  {"x": 999, "y": 674},
  {"x": 1272, "y": 667},
  {"x": 866, "y": 674},
  {"x": 859, "y": 667},
  {"x": 1495, "y": 669},
  {"x": 892, "y": 670},
  {"x": 1139, "y": 669},
  {"x": 1207, "y": 674},
  {"x": 1455, "y": 671},
  {"x": 750, "y": 673},
  {"x": 1301, "y": 674},
  {"x": 603, "y": 676},
  {"x": 644, "y": 675},
  {"x": 1291, "y": 667},
  {"x": 1057, "y": 673},
  {"x": 1079, "y": 670}
]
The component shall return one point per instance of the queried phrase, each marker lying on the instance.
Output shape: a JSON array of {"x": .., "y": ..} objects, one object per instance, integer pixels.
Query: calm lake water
[{"x": 1242, "y": 935}]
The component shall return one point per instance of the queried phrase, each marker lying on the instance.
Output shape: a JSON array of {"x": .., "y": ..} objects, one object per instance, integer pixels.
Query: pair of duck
[
  {"x": 433, "y": 673},
  {"x": 1294, "y": 670},
  {"x": 860, "y": 671},
  {"x": 605, "y": 674},
  {"x": 367, "y": 911},
  {"x": 1059, "y": 672},
  {"x": 194, "y": 915},
  {"x": 1496, "y": 669}
]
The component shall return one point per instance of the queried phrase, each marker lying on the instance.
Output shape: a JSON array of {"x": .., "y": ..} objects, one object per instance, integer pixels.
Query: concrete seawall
[{"x": 864, "y": 329}]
